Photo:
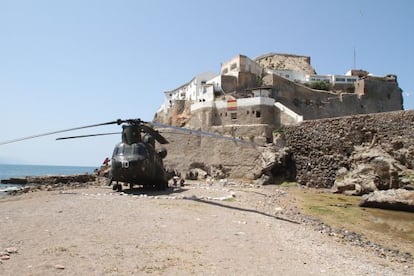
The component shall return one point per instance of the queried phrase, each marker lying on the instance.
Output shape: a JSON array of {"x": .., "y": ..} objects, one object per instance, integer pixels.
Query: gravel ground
[{"x": 193, "y": 230}]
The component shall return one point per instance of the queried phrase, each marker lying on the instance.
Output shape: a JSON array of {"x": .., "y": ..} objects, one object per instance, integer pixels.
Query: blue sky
[{"x": 71, "y": 63}]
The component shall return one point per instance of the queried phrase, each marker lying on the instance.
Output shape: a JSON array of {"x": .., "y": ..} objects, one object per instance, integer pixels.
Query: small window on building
[
  {"x": 258, "y": 114},
  {"x": 225, "y": 71},
  {"x": 233, "y": 116},
  {"x": 225, "y": 114},
  {"x": 247, "y": 112},
  {"x": 339, "y": 79},
  {"x": 287, "y": 76},
  {"x": 233, "y": 66}
]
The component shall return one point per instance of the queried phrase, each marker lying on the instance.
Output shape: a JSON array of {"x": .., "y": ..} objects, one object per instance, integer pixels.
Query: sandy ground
[{"x": 194, "y": 230}]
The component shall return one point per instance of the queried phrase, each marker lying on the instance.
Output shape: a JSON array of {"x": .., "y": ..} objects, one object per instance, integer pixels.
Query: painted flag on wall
[{"x": 231, "y": 105}]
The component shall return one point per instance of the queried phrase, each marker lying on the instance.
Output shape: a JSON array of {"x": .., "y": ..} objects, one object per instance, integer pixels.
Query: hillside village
[{"x": 274, "y": 90}]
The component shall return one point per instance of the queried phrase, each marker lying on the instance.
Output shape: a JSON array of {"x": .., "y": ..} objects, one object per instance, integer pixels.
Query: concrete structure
[
  {"x": 240, "y": 64},
  {"x": 274, "y": 91}
]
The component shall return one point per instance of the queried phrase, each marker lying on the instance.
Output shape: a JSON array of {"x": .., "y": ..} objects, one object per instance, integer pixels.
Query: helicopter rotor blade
[
  {"x": 87, "y": 135},
  {"x": 204, "y": 133},
  {"x": 59, "y": 131},
  {"x": 154, "y": 133}
]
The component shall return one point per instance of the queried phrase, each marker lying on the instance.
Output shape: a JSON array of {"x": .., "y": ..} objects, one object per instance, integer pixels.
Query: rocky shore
[{"x": 49, "y": 183}]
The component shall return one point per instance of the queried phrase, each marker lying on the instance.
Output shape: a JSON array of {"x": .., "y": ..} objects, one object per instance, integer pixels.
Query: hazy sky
[{"x": 71, "y": 63}]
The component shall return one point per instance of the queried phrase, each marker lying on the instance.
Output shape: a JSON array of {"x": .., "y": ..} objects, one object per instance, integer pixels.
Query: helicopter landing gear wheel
[
  {"x": 117, "y": 187},
  {"x": 162, "y": 186},
  {"x": 109, "y": 181}
]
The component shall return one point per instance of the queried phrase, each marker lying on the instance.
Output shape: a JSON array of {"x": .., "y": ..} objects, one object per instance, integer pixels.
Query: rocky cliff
[{"x": 286, "y": 62}]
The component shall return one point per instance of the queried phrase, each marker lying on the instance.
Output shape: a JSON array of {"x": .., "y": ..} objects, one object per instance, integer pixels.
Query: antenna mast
[{"x": 354, "y": 59}]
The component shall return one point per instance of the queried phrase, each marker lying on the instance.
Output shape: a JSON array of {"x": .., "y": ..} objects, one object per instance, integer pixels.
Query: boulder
[
  {"x": 263, "y": 180},
  {"x": 372, "y": 169},
  {"x": 394, "y": 199}
]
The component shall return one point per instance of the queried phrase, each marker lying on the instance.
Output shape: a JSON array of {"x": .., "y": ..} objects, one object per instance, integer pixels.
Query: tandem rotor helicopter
[{"x": 136, "y": 160}]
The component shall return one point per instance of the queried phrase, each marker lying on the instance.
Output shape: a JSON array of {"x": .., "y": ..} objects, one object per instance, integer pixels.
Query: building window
[
  {"x": 233, "y": 116},
  {"x": 233, "y": 66},
  {"x": 339, "y": 79},
  {"x": 225, "y": 71},
  {"x": 258, "y": 114}
]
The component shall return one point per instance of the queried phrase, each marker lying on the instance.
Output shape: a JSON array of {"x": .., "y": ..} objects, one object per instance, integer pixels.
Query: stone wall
[
  {"x": 321, "y": 147},
  {"x": 238, "y": 160},
  {"x": 378, "y": 95}
]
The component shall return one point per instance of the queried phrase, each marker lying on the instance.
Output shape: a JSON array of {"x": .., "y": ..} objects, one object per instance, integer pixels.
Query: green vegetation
[
  {"x": 320, "y": 85},
  {"x": 278, "y": 131},
  {"x": 289, "y": 184},
  {"x": 230, "y": 199}
]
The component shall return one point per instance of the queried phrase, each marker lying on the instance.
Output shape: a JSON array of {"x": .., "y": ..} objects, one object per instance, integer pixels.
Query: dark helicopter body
[{"x": 135, "y": 160}]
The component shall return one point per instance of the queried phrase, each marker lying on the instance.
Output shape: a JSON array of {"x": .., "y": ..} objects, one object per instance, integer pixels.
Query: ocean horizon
[{"x": 19, "y": 170}]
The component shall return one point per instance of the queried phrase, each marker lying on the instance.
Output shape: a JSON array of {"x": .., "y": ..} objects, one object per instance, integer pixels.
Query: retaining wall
[{"x": 321, "y": 147}]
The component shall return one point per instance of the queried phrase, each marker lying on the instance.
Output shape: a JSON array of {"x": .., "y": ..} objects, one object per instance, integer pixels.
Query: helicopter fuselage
[{"x": 138, "y": 164}]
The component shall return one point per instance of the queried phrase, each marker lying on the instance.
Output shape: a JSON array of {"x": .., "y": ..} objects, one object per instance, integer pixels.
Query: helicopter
[{"x": 135, "y": 159}]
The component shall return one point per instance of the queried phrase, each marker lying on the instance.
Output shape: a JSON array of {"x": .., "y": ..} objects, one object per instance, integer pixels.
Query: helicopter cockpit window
[
  {"x": 129, "y": 150},
  {"x": 119, "y": 149},
  {"x": 140, "y": 150}
]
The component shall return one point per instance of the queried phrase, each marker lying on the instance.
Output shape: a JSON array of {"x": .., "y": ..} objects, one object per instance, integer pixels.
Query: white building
[
  {"x": 191, "y": 91},
  {"x": 241, "y": 63},
  {"x": 332, "y": 79},
  {"x": 317, "y": 78},
  {"x": 343, "y": 79},
  {"x": 295, "y": 76}
]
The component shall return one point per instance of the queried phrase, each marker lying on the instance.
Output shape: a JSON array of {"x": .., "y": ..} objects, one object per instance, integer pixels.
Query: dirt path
[{"x": 196, "y": 230}]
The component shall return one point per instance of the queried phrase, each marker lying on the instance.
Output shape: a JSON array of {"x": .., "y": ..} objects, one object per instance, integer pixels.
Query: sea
[{"x": 9, "y": 171}]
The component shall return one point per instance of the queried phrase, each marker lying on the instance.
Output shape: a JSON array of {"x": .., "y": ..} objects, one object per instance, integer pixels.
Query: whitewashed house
[{"x": 191, "y": 91}]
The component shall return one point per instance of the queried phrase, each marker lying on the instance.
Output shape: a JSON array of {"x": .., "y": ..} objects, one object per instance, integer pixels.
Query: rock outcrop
[
  {"x": 286, "y": 62},
  {"x": 50, "y": 179},
  {"x": 371, "y": 169},
  {"x": 396, "y": 199},
  {"x": 50, "y": 183}
]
